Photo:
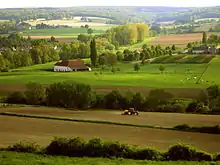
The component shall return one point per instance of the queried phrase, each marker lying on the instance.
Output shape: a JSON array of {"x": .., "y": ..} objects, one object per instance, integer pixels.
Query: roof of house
[{"x": 71, "y": 63}]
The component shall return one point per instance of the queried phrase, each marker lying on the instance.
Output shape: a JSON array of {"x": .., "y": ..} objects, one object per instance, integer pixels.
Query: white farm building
[{"x": 71, "y": 66}]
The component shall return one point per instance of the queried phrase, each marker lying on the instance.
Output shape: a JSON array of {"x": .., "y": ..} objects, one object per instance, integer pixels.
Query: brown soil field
[
  {"x": 15, "y": 129},
  {"x": 177, "y": 92},
  {"x": 180, "y": 40},
  {"x": 145, "y": 118}
]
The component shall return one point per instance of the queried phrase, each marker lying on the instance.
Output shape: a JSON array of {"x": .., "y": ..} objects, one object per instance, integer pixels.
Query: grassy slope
[
  {"x": 11, "y": 158},
  {"x": 149, "y": 76}
]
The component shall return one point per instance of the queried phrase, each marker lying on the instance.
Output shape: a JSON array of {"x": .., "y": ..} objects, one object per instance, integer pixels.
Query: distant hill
[{"x": 119, "y": 15}]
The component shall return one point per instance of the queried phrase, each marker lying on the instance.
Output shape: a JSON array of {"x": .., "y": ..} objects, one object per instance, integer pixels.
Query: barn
[{"x": 71, "y": 66}]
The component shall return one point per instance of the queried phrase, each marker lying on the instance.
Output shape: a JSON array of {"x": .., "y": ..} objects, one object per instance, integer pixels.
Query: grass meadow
[{"x": 11, "y": 158}]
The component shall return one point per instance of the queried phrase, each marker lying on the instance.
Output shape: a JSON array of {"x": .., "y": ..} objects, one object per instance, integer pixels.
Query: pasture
[
  {"x": 59, "y": 32},
  {"x": 42, "y": 131},
  {"x": 178, "y": 79},
  {"x": 11, "y": 158}
]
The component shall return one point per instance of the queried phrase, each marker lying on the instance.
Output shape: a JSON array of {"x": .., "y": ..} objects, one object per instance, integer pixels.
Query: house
[
  {"x": 71, "y": 66},
  {"x": 204, "y": 50}
]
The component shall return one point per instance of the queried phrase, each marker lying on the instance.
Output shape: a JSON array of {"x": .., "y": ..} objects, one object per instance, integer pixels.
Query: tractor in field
[{"x": 130, "y": 111}]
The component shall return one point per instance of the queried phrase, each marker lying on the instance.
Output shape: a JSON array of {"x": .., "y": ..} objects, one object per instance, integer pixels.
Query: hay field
[
  {"x": 146, "y": 118},
  {"x": 15, "y": 129}
]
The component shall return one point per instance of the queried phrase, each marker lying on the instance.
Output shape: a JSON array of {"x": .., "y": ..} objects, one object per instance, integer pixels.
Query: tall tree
[
  {"x": 204, "y": 38},
  {"x": 93, "y": 52}
]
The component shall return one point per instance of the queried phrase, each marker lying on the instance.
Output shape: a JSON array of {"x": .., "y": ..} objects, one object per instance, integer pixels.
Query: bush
[
  {"x": 217, "y": 157},
  {"x": 185, "y": 152},
  {"x": 16, "y": 98},
  {"x": 184, "y": 127},
  {"x": 24, "y": 147},
  {"x": 147, "y": 154},
  {"x": 177, "y": 107},
  {"x": 66, "y": 147},
  {"x": 197, "y": 107}
]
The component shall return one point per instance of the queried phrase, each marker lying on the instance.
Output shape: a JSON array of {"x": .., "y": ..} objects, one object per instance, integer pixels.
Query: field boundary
[{"x": 182, "y": 128}]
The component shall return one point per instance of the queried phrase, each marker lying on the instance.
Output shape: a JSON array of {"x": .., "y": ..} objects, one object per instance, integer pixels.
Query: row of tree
[
  {"x": 81, "y": 96},
  {"x": 127, "y": 34}
]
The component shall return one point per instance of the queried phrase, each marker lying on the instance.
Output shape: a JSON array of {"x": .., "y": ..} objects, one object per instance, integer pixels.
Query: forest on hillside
[{"x": 119, "y": 15}]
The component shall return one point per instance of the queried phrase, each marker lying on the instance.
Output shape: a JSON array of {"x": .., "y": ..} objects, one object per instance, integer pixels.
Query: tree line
[
  {"x": 128, "y": 34},
  {"x": 81, "y": 96}
]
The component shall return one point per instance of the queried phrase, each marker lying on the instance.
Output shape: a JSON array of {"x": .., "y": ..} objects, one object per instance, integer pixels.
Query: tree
[
  {"x": 173, "y": 47},
  {"x": 204, "y": 38},
  {"x": 89, "y": 31},
  {"x": 161, "y": 68},
  {"x": 86, "y": 26},
  {"x": 136, "y": 67},
  {"x": 93, "y": 52}
]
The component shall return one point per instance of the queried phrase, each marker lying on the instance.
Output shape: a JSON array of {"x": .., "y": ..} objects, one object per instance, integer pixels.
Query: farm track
[
  {"x": 15, "y": 129},
  {"x": 177, "y": 92}
]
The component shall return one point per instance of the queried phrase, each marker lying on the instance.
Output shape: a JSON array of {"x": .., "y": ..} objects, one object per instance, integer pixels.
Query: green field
[
  {"x": 12, "y": 158},
  {"x": 183, "y": 59},
  {"x": 148, "y": 76},
  {"x": 64, "y": 32}
]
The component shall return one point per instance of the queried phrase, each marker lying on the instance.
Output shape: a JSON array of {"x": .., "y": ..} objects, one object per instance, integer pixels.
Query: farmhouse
[
  {"x": 71, "y": 66},
  {"x": 204, "y": 50}
]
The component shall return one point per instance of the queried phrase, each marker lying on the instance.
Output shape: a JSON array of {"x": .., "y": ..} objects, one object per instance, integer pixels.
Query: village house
[
  {"x": 71, "y": 66},
  {"x": 204, "y": 50}
]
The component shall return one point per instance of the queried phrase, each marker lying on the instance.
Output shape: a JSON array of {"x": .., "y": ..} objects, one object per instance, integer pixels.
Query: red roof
[{"x": 70, "y": 63}]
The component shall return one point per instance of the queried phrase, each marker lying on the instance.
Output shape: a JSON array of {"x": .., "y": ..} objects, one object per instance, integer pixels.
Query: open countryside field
[
  {"x": 42, "y": 131},
  {"x": 180, "y": 40},
  {"x": 178, "y": 79},
  {"x": 59, "y": 32},
  {"x": 12, "y": 158},
  {"x": 74, "y": 22},
  {"x": 145, "y": 118}
]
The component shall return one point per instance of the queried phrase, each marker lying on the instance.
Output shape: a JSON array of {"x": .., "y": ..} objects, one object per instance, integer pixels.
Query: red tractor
[{"x": 130, "y": 111}]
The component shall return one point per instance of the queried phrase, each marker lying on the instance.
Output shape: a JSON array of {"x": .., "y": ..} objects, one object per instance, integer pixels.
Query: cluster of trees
[
  {"x": 45, "y": 26},
  {"x": 81, "y": 96},
  {"x": 11, "y": 26},
  {"x": 127, "y": 34},
  {"x": 215, "y": 28}
]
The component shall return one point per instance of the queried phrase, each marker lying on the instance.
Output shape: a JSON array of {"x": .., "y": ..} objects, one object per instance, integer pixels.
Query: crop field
[
  {"x": 42, "y": 131},
  {"x": 178, "y": 79},
  {"x": 12, "y": 158},
  {"x": 145, "y": 118},
  {"x": 180, "y": 40},
  {"x": 183, "y": 59}
]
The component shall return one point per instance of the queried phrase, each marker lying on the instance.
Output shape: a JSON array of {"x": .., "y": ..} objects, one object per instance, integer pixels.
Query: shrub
[
  {"x": 176, "y": 107},
  {"x": 66, "y": 147},
  {"x": 184, "y": 127},
  {"x": 185, "y": 152},
  {"x": 16, "y": 98},
  {"x": 196, "y": 106},
  {"x": 35, "y": 94},
  {"x": 94, "y": 148},
  {"x": 217, "y": 157},
  {"x": 209, "y": 129},
  {"x": 24, "y": 147},
  {"x": 147, "y": 154}
]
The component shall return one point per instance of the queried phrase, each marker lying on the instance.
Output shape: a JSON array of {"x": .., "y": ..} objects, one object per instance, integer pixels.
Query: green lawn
[
  {"x": 65, "y": 32},
  {"x": 13, "y": 158},
  {"x": 174, "y": 76}
]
